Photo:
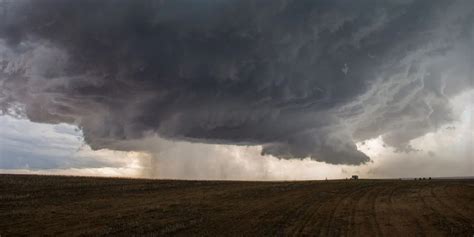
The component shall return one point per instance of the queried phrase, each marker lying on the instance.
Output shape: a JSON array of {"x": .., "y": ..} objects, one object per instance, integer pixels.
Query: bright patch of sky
[{"x": 28, "y": 147}]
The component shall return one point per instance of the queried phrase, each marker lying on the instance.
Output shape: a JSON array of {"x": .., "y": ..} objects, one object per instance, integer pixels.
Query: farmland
[{"x": 75, "y": 206}]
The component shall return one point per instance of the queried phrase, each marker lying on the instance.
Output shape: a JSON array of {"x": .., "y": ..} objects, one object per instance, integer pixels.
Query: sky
[{"x": 236, "y": 89}]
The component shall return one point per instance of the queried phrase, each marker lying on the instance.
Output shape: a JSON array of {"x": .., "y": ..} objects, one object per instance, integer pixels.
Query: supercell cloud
[{"x": 300, "y": 78}]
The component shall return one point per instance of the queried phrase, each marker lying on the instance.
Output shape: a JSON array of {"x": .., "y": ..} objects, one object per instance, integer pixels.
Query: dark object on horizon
[
  {"x": 355, "y": 177},
  {"x": 429, "y": 178}
]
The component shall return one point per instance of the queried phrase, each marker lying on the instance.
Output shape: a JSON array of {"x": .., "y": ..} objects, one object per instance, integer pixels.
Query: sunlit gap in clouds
[
  {"x": 450, "y": 147},
  {"x": 28, "y": 147}
]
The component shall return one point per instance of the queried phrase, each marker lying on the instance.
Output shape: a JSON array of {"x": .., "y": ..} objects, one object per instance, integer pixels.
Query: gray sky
[{"x": 233, "y": 89}]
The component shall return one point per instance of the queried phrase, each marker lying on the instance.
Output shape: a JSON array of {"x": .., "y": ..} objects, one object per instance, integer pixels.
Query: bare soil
[{"x": 83, "y": 206}]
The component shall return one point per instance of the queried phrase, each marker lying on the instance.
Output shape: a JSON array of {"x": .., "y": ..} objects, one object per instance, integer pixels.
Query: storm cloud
[{"x": 301, "y": 78}]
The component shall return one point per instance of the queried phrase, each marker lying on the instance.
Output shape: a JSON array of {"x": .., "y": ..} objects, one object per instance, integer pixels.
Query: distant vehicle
[{"x": 355, "y": 177}]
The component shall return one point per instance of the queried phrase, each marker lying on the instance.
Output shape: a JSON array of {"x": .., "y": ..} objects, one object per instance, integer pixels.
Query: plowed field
[{"x": 72, "y": 206}]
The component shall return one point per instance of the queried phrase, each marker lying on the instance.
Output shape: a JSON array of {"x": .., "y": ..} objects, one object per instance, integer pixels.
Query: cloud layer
[{"x": 301, "y": 78}]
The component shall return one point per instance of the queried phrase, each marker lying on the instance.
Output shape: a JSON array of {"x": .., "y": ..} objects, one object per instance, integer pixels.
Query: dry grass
[{"x": 75, "y": 206}]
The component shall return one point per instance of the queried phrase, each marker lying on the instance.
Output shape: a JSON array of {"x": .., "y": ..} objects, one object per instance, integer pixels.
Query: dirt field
[{"x": 39, "y": 205}]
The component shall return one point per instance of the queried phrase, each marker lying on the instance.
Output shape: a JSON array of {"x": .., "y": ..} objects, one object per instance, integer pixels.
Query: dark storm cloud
[{"x": 301, "y": 78}]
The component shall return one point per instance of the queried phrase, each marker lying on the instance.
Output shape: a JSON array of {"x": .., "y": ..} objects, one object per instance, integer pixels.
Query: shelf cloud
[{"x": 300, "y": 78}]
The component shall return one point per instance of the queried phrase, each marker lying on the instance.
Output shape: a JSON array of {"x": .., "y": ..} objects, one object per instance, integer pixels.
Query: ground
[{"x": 74, "y": 206}]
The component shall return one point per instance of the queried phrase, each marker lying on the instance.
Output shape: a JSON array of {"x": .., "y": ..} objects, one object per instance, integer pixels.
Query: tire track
[
  {"x": 453, "y": 221},
  {"x": 320, "y": 221},
  {"x": 325, "y": 223},
  {"x": 412, "y": 213},
  {"x": 441, "y": 223},
  {"x": 351, "y": 229},
  {"x": 374, "y": 202},
  {"x": 330, "y": 227},
  {"x": 366, "y": 206},
  {"x": 392, "y": 210}
]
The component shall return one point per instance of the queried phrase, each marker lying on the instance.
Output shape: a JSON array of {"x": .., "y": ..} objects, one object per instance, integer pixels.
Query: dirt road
[{"x": 38, "y": 205}]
